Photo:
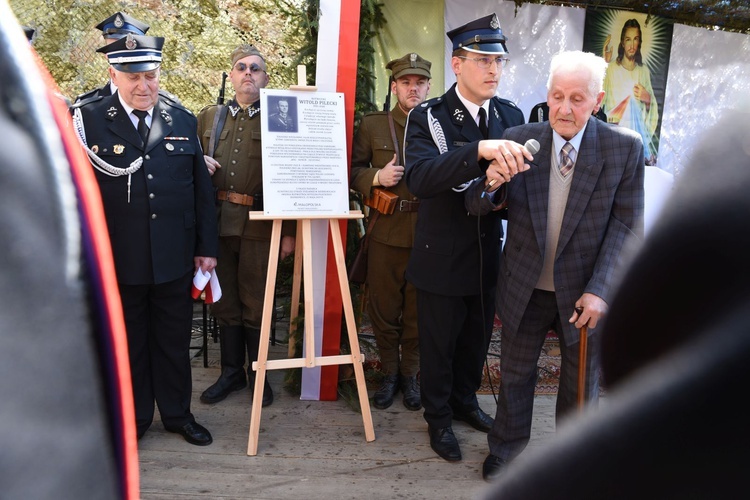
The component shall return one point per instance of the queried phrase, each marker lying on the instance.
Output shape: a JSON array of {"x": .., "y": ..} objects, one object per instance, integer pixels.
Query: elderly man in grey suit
[{"x": 569, "y": 217}]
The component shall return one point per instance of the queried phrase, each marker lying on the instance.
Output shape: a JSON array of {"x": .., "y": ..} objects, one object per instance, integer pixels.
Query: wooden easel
[{"x": 303, "y": 247}]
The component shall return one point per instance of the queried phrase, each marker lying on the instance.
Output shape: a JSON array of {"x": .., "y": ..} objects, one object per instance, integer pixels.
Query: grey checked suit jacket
[{"x": 604, "y": 211}]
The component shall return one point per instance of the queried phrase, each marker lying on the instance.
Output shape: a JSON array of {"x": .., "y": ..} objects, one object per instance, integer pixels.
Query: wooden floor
[{"x": 313, "y": 449}]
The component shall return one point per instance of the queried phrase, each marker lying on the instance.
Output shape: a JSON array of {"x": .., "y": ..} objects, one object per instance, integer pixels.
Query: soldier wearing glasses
[
  {"x": 447, "y": 147},
  {"x": 230, "y": 136}
]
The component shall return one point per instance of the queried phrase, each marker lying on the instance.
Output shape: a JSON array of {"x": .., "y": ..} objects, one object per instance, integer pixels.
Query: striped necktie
[{"x": 566, "y": 163}]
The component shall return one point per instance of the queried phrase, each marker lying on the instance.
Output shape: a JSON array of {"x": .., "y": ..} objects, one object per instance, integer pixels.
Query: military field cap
[
  {"x": 29, "y": 31},
  {"x": 243, "y": 51},
  {"x": 134, "y": 53},
  {"x": 119, "y": 24},
  {"x": 482, "y": 36},
  {"x": 410, "y": 64}
]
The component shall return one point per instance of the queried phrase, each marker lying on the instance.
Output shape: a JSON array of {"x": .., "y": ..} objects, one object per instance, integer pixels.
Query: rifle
[
  {"x": 387, "y": 103},
  {"x": 220, "y": 99}
]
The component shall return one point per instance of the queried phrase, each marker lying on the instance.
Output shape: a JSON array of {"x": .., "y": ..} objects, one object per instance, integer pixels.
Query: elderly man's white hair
[{"x": 577, "y": 61}]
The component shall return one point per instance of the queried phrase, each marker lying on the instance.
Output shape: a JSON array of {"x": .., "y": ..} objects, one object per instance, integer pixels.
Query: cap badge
[
  {"x": 130, "y": 43},
  {"x": 494, "y": 23},
  {"x": 119, "y": 22},
  {"x": 413, "y": 59},
  {"x": 118, "y": 149}
]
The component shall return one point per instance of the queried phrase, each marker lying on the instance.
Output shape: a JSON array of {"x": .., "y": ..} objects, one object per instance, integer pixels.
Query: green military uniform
[
  {"x": 392, "y": 301},
  {"x": 238, "y": 150}
]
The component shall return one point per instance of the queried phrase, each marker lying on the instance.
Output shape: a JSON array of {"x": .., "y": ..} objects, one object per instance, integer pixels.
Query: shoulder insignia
[
  {"x": 431, "y": 102},
  {"x": 83, "y": 102},
  {"x": 172, "y": 101},
  {"x": 87, "y": 95},
  {"x": 170, "y": 96},
  {"x": 506, "y": 102}
]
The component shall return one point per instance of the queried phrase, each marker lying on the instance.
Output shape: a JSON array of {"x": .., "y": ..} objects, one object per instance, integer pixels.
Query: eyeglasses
[
  {"x": 486, "y": 62},
  {"x": 254, "y": 68}
]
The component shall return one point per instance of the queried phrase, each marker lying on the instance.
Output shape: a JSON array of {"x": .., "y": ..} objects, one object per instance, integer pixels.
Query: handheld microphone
[{"x": 532, "y": 145}]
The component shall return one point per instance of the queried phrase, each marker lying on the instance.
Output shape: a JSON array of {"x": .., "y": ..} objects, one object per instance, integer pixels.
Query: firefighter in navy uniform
[
  {"x": 447, "y": 149},
  {"x": 115, "y": 27},
  {"x": 159, "y": 207}
]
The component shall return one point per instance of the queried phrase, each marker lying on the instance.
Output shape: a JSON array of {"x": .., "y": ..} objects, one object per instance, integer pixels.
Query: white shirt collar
[
  {"x": 472, "y": 108},
  {"x": 559, "y": 142},
  {"x": 133, "y": 118}
]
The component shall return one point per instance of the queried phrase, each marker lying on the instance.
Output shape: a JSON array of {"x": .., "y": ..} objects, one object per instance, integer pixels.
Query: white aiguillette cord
[{"x": 99, "y": 164}]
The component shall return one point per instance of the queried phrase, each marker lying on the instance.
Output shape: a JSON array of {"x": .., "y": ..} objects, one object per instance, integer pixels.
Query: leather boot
[
  {"x": 252, "y": 339},
  {"x": 384, "y": 396},
  {"x": 410, "y": 389},
  {"x": 232, "y": 378}
]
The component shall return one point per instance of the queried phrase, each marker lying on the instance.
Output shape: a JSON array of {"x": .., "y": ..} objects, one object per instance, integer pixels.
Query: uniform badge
[
  {"x": 130, "y": 42},
  {"x": 118, "y": 149},
  {"x": 458, "y": 115},
  {"x": 95, "y": 149},
  {"x": 112, "y": 112},
  {"x": 165, "y": 116},
  {"x": 234, "y": 110},
  {"x": 119, "y": 22},
  {"x": 497, "y": 115},
  {"x": 169, "y": 147},
  {"x": 494, "y": 23}
]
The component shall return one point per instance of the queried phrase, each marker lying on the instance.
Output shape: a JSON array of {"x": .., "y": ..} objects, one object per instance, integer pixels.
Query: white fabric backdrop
[{"x": 709, "y": 71}]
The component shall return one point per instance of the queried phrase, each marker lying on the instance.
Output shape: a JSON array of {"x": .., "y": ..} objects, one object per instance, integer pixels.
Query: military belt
[
  {"x": 408, "y": 206},
  {"x": 236, "y": 198}
]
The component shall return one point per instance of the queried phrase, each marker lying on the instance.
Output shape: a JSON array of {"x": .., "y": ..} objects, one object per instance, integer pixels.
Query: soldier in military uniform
[
  {"x": 114, "y": 28},
  {"x": 392, "y": 301},
  {"x": 445, "y": 150},
  {"x": 159, "y": 207},
  {"x": 231, "y": 139}
]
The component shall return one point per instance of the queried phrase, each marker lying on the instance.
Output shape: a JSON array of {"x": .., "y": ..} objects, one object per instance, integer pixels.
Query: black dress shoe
[
  {"x": 477, "y": 419},
  {"x": 444, "y": 443},
  {"x": 193, "y": 432},
  {"x": 412, "y": 398},
  {"x": 492, "y": 467},
  {"x": 384, "y": 396}
]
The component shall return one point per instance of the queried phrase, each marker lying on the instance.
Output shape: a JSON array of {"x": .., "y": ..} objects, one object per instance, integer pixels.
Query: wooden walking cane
[{"x": 582, "y": 353}]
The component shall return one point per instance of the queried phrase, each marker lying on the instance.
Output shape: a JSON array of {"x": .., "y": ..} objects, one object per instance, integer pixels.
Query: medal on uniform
[
  {"x": 169, "y": 146},
  {"x": 118, "y": 149}
]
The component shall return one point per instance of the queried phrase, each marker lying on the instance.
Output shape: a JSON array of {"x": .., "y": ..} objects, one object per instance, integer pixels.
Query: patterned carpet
[{"x": 549, "y": 361}]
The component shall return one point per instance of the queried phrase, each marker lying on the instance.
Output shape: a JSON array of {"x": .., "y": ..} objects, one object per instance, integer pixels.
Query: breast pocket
[
  {"x": 180, "y": 159},
  {"x": 382, "y": 150},
  {"x": 255, "y": 151}
]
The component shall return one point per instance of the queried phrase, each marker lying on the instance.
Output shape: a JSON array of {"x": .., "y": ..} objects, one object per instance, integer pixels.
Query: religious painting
[{"x": 636, "y": 47}]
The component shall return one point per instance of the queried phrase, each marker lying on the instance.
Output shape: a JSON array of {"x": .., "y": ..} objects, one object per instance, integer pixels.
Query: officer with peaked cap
[
  {"x": 114, "y": 28},
  {"x": 377, "y": 163},
  {"x": 451, "y": 142},
  {"x": 159, "y": 206}
]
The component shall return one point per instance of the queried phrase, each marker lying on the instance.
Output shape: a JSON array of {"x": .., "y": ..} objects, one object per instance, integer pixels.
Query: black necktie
[
  {"x": 483, "y": 122},
  {"x": 142, "y": 127}
]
